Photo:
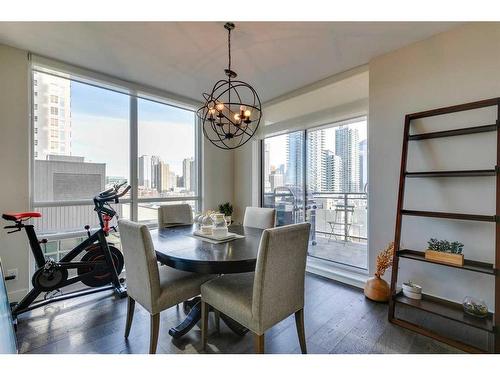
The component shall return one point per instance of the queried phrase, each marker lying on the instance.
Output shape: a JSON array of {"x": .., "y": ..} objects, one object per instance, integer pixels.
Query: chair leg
[
  {"x": 204, "y": 324},
  {"x": 259, "y": 343},
  {"x": 217, "y": 320},
  {"x": 130, "y": 315},
  {"x": 155, "y": 329},
  {"x": 299, "y": 322}
]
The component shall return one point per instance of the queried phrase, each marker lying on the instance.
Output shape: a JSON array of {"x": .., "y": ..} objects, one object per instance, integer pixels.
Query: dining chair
[
  {"x": 259, "y": 217},
  {"x": 154, "y": 288},
  {"x": 275, "y": 291},
  {"x": 170, "y": 215}
]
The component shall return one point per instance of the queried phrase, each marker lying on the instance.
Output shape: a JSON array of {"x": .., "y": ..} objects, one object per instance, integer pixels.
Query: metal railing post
[{"x": 346, "y": 230}]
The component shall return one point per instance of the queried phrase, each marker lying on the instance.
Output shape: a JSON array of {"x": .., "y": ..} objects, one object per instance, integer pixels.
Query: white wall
[
  {"x": 217, "y": 176},
  {"x": 14, "y": 160},
  {"x": 455, "y": 67}
]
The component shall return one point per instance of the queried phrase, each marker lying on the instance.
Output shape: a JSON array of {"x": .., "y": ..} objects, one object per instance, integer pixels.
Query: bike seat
[{"x": 15, "y": 216}]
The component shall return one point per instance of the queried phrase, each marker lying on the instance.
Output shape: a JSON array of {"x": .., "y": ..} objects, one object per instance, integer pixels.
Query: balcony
[{"x": 338, "y": 222}]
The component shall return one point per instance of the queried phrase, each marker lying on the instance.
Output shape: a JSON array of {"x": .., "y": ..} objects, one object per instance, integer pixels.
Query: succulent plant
[{"x": 454, "y": 247}]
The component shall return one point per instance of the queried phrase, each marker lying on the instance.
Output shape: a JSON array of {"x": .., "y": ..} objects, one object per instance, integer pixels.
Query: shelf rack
[{"x": 433, "y": 305}]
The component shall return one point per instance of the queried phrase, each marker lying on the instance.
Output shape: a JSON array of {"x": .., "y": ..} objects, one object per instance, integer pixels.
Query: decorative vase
[
  {"x": 377, "y": 289},
  {"x": 219, "y": 221},
  {"x": 207, "y": 220}
]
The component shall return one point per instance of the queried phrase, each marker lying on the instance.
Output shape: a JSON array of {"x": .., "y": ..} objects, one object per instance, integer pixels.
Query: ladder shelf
[{"x": 443, "y": 308}]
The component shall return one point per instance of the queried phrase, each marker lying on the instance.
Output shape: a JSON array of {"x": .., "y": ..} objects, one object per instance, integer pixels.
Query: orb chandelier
[{"x": 232, "y": 110}]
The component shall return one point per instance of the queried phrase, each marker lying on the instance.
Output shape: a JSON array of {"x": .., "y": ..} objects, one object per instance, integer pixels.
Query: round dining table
[{"x": 179, "y": 248}]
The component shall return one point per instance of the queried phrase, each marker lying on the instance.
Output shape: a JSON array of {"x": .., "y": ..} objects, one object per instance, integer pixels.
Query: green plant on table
[{"x": 226, "y": 209}]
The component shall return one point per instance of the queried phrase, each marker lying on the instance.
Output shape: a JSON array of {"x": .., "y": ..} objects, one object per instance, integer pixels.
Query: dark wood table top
[{"x": 177, "y": 248}]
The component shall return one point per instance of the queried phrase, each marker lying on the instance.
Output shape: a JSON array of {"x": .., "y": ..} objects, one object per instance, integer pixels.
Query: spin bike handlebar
[{"x": 112, "y": 194}]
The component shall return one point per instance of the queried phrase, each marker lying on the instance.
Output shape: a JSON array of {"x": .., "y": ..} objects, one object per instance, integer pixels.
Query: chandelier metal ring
[{"x": 232, "y": 111}]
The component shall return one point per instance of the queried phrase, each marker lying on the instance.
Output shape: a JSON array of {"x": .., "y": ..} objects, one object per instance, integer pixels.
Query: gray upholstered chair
[
  {"x": 170, "y": 215},
  {"x": 276, "y": 290},
  {"x": 154, "y": 288},
  {"x": 259, "y": 217}
]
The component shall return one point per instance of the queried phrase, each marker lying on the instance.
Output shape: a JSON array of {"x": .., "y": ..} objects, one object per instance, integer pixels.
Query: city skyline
[
  {"x": 336, "y": 159},
  {"x": 154, "y": 174}
]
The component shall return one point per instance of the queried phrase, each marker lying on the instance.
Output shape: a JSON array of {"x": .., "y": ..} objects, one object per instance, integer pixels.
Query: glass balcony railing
[{"x": 339, "y": 229}]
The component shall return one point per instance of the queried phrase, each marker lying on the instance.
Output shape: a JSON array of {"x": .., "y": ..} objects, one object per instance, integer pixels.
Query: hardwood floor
[{"x": 338, "y": 319}]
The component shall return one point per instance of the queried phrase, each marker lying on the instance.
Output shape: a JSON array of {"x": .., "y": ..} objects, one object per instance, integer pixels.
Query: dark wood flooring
[{"x": 338, "y": 319}]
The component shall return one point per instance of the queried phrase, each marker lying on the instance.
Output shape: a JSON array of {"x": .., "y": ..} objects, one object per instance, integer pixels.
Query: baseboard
[
  {"x": 17, "y": 295},
  {"x": 342, "y": 275}
]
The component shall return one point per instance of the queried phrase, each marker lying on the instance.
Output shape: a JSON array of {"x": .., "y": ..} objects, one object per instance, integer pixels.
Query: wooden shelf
[
  {"x": 447, "y": 309},
  {"x": 455, "y": 108},
  {"x": 453, "y": 132},
  {"x": 469, "y": 265},
  {"x": 469, "y": 173},
  {"x": 450, "y": 215}
]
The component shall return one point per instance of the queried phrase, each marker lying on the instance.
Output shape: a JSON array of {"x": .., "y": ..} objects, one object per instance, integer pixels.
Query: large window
[
  {"x": 88, "y": 135},
  {"x": 327, "y": 169},
  {"x": 167, "y": 166}
]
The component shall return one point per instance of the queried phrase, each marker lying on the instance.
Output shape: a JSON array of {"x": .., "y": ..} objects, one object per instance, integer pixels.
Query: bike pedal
[{"x": 52, "y": 294}]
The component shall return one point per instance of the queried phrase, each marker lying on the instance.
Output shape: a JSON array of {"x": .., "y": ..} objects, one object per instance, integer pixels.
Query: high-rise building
[
  {"x": 144, "y": 170},
  {"x": 332, "y": 176},
  {"x": 347, "y": 148},
  {"x": 156, "y": 173},
  {"x": 52, "y": 115},
  {"x": 276, "y": 180},
  {"x": 294, "y": 168},
  {"x": 166, "y": 183},
  {"x": 267, "y": 166},
  {"x": 315, "y": 160},
  {"x": 188, "y": 174},
  {"x": 363, "y": 164}
]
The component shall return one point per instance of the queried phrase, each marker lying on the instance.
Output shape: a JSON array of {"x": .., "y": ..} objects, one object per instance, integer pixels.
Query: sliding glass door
[
  {"x": 320, "y": 175},
  {"x": 283, "y": 176}
]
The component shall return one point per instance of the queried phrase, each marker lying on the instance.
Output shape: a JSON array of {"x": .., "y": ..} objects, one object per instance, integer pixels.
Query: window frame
[{"x": 134, "y": 91}]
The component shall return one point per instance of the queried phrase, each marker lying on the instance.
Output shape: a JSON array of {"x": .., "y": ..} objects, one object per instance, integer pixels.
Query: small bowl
[
  {"x": 412, "y": 295},
  {"x": 414, "y": 288}
]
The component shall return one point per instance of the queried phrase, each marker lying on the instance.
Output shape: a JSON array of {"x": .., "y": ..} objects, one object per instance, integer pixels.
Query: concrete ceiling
[{"x": 186, "y": 58}]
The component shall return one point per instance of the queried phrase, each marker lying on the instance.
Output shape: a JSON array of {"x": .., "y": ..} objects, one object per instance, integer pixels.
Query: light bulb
[
  {"x": 219, "y": 106},
  {"x": 237, "y": 117},
  {"x": 243, "y": 108},
  {"x": 248, "y": 113}
]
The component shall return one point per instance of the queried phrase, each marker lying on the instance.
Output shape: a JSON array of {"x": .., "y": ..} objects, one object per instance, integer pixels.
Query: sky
[{"x": 100, "y": 129}]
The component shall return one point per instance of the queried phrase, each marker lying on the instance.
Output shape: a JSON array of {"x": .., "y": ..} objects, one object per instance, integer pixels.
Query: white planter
[{"x": 413, "y": 291}]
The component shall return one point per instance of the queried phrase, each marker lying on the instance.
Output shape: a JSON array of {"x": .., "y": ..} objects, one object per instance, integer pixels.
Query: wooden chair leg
[
  {"x": 259, "y": 343},
  {"x": 130, "y": 315},
  {"x": 204, "y": 324},
  {"x": 155, "y": 329},
  {"x": 299, "y": 322}
]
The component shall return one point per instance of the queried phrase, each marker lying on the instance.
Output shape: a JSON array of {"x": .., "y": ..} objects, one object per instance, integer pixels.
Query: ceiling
[{"x": 186, "y": 58}]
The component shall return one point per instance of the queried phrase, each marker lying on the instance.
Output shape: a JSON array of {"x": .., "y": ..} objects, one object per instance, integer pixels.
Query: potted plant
[
  {"x": 445, "y": 252},
  {"x": 377, "y": 288},
  {"x": 227, "y": 210}
]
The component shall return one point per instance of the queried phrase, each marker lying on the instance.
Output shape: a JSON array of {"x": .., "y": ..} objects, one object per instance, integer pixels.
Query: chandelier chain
[{"x": 229, "y": 47}]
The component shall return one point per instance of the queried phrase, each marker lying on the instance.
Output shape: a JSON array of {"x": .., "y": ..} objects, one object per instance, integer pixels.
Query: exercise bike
[{"x": 98, "y": 268}]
